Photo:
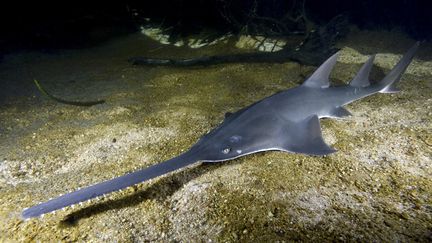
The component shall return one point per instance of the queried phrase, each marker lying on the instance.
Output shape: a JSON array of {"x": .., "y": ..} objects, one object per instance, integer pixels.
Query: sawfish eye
[{"x": 226, "y": 150}]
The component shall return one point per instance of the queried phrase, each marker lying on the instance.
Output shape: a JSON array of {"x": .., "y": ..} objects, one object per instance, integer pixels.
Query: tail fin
[{"x": 389, "y": 82}]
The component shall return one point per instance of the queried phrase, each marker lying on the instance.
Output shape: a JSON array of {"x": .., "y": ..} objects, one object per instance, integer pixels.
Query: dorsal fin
[
  {"x": 320, "y": 78},
  {"x": 362, "y": 77}
]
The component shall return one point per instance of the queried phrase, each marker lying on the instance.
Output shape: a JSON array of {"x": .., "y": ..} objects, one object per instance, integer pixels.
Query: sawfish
[{"x": 286, "y": 121}]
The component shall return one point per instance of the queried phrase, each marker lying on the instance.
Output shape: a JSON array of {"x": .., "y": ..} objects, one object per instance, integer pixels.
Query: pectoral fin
[{"x": 305, "y": 137}]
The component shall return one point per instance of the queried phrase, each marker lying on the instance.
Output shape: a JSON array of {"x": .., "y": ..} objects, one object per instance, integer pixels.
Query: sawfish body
[{"x": 287, "y": 121}]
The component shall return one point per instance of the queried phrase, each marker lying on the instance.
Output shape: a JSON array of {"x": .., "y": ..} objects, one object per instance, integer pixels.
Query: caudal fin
[{"x": 391, "y": 79}]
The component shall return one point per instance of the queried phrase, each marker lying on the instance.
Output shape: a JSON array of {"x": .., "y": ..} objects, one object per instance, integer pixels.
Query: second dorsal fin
[
  {"x": 320, "y": 78},
  {"x": 362, "y": 78}
]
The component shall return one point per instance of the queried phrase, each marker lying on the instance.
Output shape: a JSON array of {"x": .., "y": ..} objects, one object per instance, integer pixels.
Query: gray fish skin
[{"x": 287, "y": 121}]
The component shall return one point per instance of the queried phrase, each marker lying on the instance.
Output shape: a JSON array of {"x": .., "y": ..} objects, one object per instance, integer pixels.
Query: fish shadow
[{"x": 159, "y": 191}]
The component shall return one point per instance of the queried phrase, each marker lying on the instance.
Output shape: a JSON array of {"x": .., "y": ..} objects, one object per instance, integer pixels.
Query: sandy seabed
[{"x": 377, "y": 187}]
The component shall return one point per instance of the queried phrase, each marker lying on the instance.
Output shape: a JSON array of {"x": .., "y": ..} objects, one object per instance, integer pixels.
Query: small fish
[{"x": 287, "y": 121}]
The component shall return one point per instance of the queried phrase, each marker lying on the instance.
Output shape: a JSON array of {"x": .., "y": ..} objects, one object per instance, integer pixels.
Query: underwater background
[{"x": 376, "y": 187}]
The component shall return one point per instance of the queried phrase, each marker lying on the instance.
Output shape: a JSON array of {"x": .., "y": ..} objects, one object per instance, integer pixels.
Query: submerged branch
[{"x": 317, "y": 46}]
